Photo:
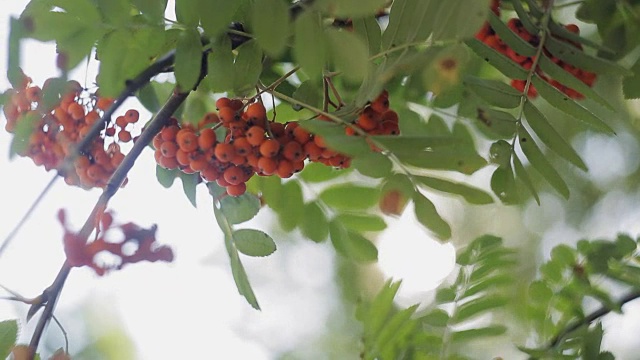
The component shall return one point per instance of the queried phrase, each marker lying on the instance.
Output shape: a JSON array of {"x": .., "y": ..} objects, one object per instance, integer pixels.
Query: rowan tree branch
[{"x": 51, "y": 294}]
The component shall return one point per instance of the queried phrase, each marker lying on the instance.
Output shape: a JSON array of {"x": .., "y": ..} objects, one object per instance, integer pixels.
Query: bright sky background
[{"x": 189, "y": 307}]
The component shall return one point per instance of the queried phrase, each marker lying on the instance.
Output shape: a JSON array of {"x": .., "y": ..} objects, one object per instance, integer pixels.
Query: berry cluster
[
  {"x": 251, "y": 144},
  {"x": 490, "y": 38},
  {"x": 80, "y": 253},
  {"x": 56, "y": 131},
  {"x": 376, "y": 118}
]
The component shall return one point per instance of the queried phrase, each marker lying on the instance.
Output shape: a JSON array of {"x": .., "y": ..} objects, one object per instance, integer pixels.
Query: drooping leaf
[
  {"x": 410, "y": 144},
  {"x": 522, "y": 175},
  {"x": 477, "y": 307},
  {"x": 349, "y": 196},
  {"x": 463, "y": 161},
  {"x": 8, "y": 337},
  {"x": 471, "y": 194},
  {"x": 498, "y": 122},
  {"x": 374, "y": 165},
  {"x": 459, "y": 19},
  {"x": 497, "y": 60},
  {"x": 220, "y": 68},
  {"x": 291, "y": 209},
  {"x": 574, "y": 56},
  {"x": 550, "y": 137},
  {"x": 253, "y": 242},
  {"x": 314, "y": 224},
  {"x": 468, "y": 335},
  {"x": 216, "y": 15},
  {"x": 540, "y": 162},
  {"x": 166, "y": 177},
  {"x": 310, "y": 44},
  {"x": 631, "y": 84},
  {"x": 436, "y": 317},
  {"x": 189, "y": 183},
  {"x": 514, "y": 41},
  {"x": 247, "y": 67},
  {"x": 270, "y": 21},
  {"x": 374, "y": 314},
  {"x": 369, "y": 30},
  {"x": 361, "y": 222},
  {"x": 188, "y": 59},
  {"x": 188, "y": 12},
  {"x": 238, "y": 209},
  {"x": 25, "y": 126},
  {"x": 428, "y": 216},
  {"x": 351, "y": 244},
  {"x": 349, "y": 54},
  {"x": 153, "y": 8},
  {"x": 154, "y": 94},
  {"x": 503, "y": 185},
  {"x": 409, "y": 21},
  {"x": 308, "y": 93},
  {"x": 494, "y": 92},
  {"x": 316, "y": 172}
]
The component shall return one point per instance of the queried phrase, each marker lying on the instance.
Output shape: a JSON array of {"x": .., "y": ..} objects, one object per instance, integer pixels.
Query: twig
[
  {"x": 51, "y": 294},
  {"x": 602, "y": 311}
]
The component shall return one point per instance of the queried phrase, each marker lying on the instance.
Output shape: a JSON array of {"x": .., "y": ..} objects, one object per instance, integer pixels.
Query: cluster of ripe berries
[
  {"x": 57, "y": 130},
  {"x": 81, "y": 253},
  {"x": 490, "y": 38},
  {"x": 250, "y": 144}
]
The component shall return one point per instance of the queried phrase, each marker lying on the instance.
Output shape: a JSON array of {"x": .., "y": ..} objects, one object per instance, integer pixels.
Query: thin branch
[
  {"x": 602, "y": 311},
  {"x": 51, "y": 294}
]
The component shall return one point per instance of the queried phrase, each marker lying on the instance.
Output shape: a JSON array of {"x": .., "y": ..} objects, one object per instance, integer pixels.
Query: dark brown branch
[
  {"x": 51, "y": 294},
  {"x": 602, "y": 311}
]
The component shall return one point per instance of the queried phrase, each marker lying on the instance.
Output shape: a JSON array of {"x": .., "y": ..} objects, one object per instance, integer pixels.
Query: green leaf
[
  {"x": 490, "y": 283},
  {"x": 410, "y": 144},
  {"x": 445, "y": 295},
  {"x": 237, "y": 269},
  {"x": 216, "y": 15},
  {"x": 477, "y": 307},
  {"x": 574, "y": 56},
  {"x": 291, "y": 209},
  {"x": 500, "y": 153},
  {"x": 220, "y": 73},
  {"x": 373, "y": 165},
  {"x": 497, "y": 60},
  {"x": 556, "y": 72},
  {"x": 494, "y": 92},
  {"x": 409, "y": 21},
  {"x": 8, "y": 337},
  {"x": 436, "y": 317},
  {"x": 428, "y": 216},
  {"x": 369, "y": 30},
  {"x": 316, "y": 172},
  {"x": 348, "y": 196},
  {"x": 166, "y": 177},
  {"x": 361, "y": 222},
  {"x": 398, "y": 325},
  {"x": 310, "y": 44},
  {"x": 463, "y": 161},
  {"x": 188, "y": 59},
  {"x": 522, "y": 175},
  {"x": 253, "y": 242},
  {"x": 314, "y": 224},
  {"x": 188, "y": 12},
  {"x": 270, "y": 21},
  {"x": 349, "y": 54},
  {"x": 351, "y": 244},
  {"x": 25, "y": 126},
  {"x": 154, "y": 94},
  {"x": 465, "y": 336},
  {"x": 498, "y": 122},
  {"x": 459, "y": 19},
  {"x": 16, "y": 33},
  {"x": 153, "y": 8},
  {"x": 375, "y": 314},
  {"x": 525, "y": 18},
  {"x": 238, "y": 209},
  {"x": 569, "y": 106},
  {"x": 631, "y": 84},
  {"x": 115, "y": 12},
  {"x": 514, "y": 41},
  {"x": 539, "y": 161},
  {"x": 309, "y": 94},
  {"x": 189, "y": 183},
  {"x": 247, "y": 67},
  {"x": 550, "y": 137},
  {"x": 350, "y": 8},
  {"x": 471, "y": 194},
  {"x": 503, "y": 185}
]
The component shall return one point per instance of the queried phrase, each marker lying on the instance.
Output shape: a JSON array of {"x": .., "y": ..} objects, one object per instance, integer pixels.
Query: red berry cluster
[
  {"x": 376, "y": 118},
  {"x": 80, "y": 253},
  {"x": 58, "y": 129},
  {"x": 489, "y": 37},
  {"x": 251, "y": 145}
]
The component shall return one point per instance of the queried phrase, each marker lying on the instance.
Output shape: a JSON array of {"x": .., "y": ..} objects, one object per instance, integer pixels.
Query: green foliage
[{"x": 8, "y": 336}]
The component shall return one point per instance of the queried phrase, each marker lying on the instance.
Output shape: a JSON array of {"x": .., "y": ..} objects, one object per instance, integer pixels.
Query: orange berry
[
  {"x": 121, "y": 121},
  {"x": 572, "y": 28},
  {"x": 199, "y": 163},
  {"x": 157, "y": 141},
  {"x": 319, "y": 141},
  {"x": 236, "y": 104},
  {"x": 228, "y": 115},
  {"x": 210, "y": 173},
  {"x": 277, "y": 129},
  {"x": 33, "y": 93},
  {"x": 103, "y": 103},
  {"x": 301, "y": 135},
  {"x": 242, "y": 145},
  {"x": 76, "y": 111},
  {"x": 91, "y": 117},
  {"x": 169, "y": 133},
  {"x": 255, "y": 135},
  {"x": 169, "y": 149},
  {"x": 270, "y": 148},
  {"x": 312, "y": 151},
  {"x": 381, "y": 103},
  {"x": 207, "y": 119},
  {"x": 293, "y": 151},
  {"x": 124, "y": 136},
  {"x": 182, "y": 157},
  {"x": 224, "y": 152},
  {"x": 234, "y": 175},
  {"x": 256, "y": 112},
  {"x": 82, "y": 162},
  {"x": 267, "y": 166},
  {"x": 222, "y": 103},
  {"x": 285, "y": 169},
  {"x": 132, "y": 116},
  {"x": 236, "y": 190},
  {"x": 116, "y": 159},
  {"x": 187, "y": 140},
  {"x": 238, "y": 160},
  {"x": 207, "y": 139},
  {"x": 168, "y": 163}
]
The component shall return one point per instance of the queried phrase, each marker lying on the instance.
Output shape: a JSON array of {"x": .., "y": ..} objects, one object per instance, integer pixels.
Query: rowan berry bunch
[
  {"x": 57, "y": 129},
  {"x": 487, "y": 35},
  {"x": 252, "y": 144},
  {"x": 376, "y": 118},
  {"x": 80, "y": 253}
]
